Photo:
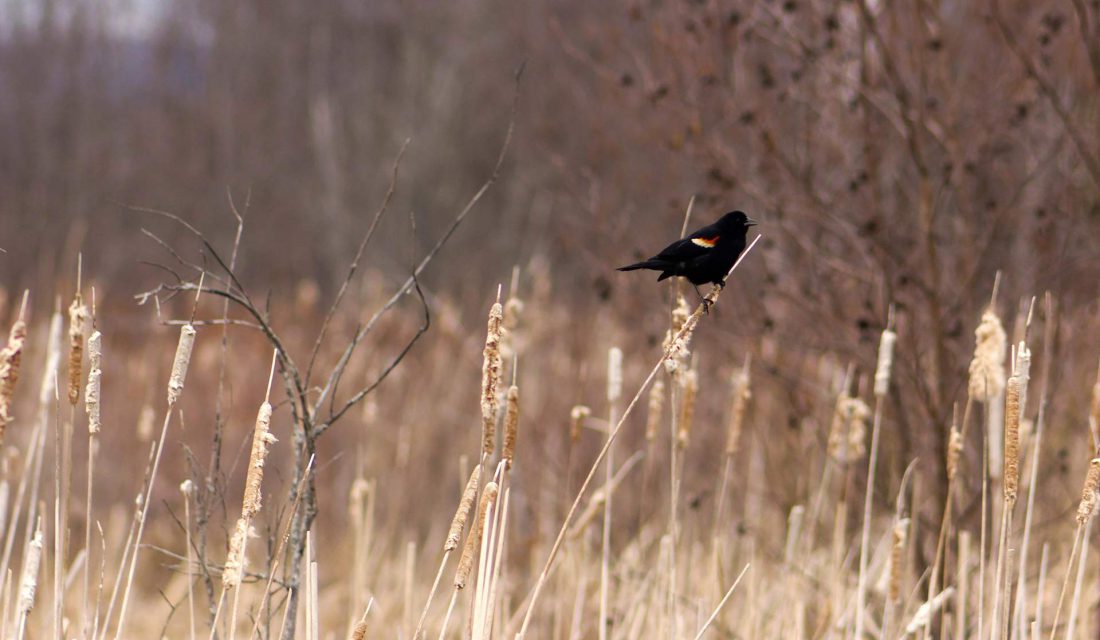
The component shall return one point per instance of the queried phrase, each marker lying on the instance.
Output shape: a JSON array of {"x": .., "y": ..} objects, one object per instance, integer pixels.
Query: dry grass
[{"x": 740, "y": 526}]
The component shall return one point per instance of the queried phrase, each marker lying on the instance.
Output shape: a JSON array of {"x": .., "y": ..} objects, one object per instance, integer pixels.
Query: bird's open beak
[{"x": 749, "y": 222}]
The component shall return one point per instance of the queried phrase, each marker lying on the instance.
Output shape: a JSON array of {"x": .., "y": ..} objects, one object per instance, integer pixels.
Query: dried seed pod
[
  {"x": 1011, "y": 476},
  {"x": 687, "y": 408},
  {"x": 1088, "y": 494},
  {"x": 261, "y": 440},
  {"x": 11, "y": 357},
  {"x": 987, "y": 375},
  {"x": 78, "y": 313},
  {"x": 741, "y": 395},
  {"x": 656, "y": 405},
  {"x": 92, "y": 391},
  {"x": 234, "y": 562},
  {"x": 179, "y": 363},
  {"x": 614, "y": 374},
  {"x": 885, "y": 361},
  {"x": 29, "y": 582},
  {"x": 954, "y": 450},
  {"x": 511, "y": 424},
  {"x": 577, "y": 416},
  {"x": 458, "y": 523},
  {"x": 897, "y": 560},
  {"x": 473, "y": 540},
  {"x": 490, "y": 380}
]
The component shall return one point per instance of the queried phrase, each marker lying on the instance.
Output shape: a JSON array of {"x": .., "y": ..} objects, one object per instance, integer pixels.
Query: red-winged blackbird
[{"x": 704, "y": 256}]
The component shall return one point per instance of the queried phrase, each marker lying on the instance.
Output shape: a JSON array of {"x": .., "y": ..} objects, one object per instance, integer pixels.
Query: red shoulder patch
[{"x": 706, "y": 243}]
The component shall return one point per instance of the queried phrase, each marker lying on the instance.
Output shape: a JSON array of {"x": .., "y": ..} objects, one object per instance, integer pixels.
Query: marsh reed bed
[{"x": 595, "y": 485}]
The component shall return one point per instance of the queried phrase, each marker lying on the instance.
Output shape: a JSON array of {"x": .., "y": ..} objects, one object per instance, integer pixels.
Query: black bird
[{"x": 706, "y": 255}]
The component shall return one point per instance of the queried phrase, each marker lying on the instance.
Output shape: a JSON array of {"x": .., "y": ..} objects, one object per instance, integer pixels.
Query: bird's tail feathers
[{"x": 645, "y": 264}]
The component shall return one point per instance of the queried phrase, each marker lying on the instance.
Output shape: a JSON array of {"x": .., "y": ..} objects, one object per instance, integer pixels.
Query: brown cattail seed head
[
  {"x": 261, "y": 440},
  {"x": 954, "y": 449},
  {"x": 1094, "y": 409},
  {"x": 614, "y": 374},
  {"x": 897, "y": 560},
  {"x": 473, "y": 541},
  {"x": 490, "y": 380},
  {"x": 78, "y": 313},
  {"x": 234, "y": 562},
  {"x": 1088, "y": 494},
  {"x": 458, "y": 523},
  {"x": 741, "y": 395},
  {"x": 885, "y": 361},
  {"x": 360, "y": 630},
  {"x": 1012, "y": 440},
  {"x": 92, "y": 391},
  {"x": 180, "y": 362},
  {"x": 511, "y": 424},
  {"x": 10, "y": 358},
  {"x": 577, "y": 417},
  {"x": 838, "y": 429},
  {"x": 656, "y": 405},
  {"x": 29, "y": 582},
  {"x": 687, "y": 408},
  {"x": 987, "y": 375}
]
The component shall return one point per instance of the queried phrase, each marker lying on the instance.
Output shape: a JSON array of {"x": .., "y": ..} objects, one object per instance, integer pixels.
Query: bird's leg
[{"x": 702, "y": 298}]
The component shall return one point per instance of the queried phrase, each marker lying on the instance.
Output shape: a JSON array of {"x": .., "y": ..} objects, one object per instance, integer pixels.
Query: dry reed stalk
[
  {"x": 718, "y": 609},
  {"x": 454, "y": 536},
  {"x": 511, "y": 424},
  {"x": 1075, "y": 603},
  {"x": 410, "y": 576},
  {"x": 490, "y": 381},
  {"x": 927, "y": 610},
  {"x": 677, "y": 344},
  {"x": 28, "y": 584},
  {"x": 187, "y": 488},
  {"x": 885, "y": 362},
  {"x": 962, "y": 581},
  {"x": 872, "y": 460},
  {"x": 11, "y": 357},
  {"x": 614, "y": 394}
]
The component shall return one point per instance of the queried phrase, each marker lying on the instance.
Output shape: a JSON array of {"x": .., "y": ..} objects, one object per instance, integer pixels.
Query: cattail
[
  {"x": 29, "y": 583},
  {"x": 987, "y": 376},
  {"x": 180, "y": 362},
  {"x": 11, "y": 356},
  {"x": 885, "y": 361},
  {"x": 838, "y": 429},
  {"x": 78, "y": 313},
  {"x": 513, "y": 308},
  {"x": 897, "y": 560},
  {"x": 511, "y": 424},
  {"x": 656, "y": 404},
  {"x": 577, "y": 417},
  {"x": 490, "y": 380},
  {"x": 360, "y": 631},
  {"x": 458, "y": 523},
  {"x": 741, "y": 395},
  {"x": 857, "y": 414},
  {"x": 234, "y": 562},
  {"x": 91, "y": 392},
  {"x": 687, "y": 408},
  {"x": 261, "y": 440},
  {"x": 1088, "y": 493},
  {"x": 1022, "y": 371},
  {"x": 1094, "y": 409},
  {"x": 954, "y": 449},
  {"x": 676, "y": 346},
  {"x": 473, "y": 540},
  {"x": 614, "y": 374},
  {"x": 1012, "y": 440}
]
